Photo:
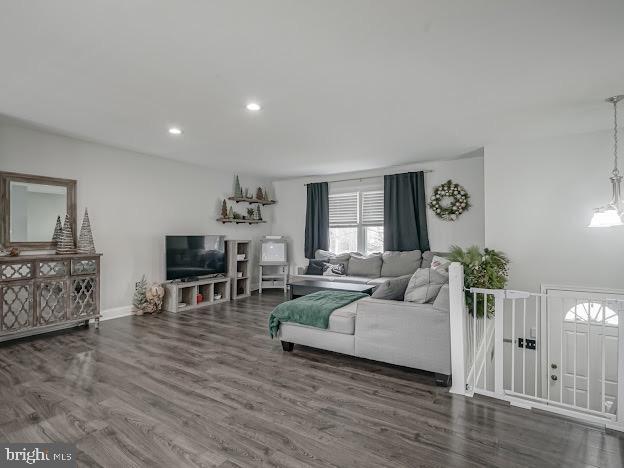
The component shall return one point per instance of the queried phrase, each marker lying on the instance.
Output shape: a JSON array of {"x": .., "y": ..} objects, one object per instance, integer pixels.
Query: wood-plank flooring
[{"x": 209, "y": 388}]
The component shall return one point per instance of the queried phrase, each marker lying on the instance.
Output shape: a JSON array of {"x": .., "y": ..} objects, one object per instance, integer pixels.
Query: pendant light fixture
[{"x": 612, "y": 214}]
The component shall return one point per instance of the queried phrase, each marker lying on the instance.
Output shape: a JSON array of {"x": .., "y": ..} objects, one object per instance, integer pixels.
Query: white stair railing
[{"x": 559, "y": 354}]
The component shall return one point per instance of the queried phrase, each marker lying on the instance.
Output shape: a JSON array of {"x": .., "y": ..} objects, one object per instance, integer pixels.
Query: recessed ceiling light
[
  {"x": 175, "y": 131},
  {"x": 253, "y": 106}
]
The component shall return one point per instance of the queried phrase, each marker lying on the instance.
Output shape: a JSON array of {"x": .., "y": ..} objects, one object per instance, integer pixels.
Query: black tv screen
[{"x": 188, "y": 256}]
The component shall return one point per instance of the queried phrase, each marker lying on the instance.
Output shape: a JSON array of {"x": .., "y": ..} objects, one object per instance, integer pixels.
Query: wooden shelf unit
[
  {"x": 241, "y": 285},
  {"x": 179, "y": 291}
]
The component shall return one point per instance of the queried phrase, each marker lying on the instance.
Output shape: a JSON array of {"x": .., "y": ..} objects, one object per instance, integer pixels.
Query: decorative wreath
[{"x": 449, "y": 200}]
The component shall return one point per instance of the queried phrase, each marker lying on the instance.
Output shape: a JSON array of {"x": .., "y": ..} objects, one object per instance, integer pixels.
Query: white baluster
[
  {"x": 513, "y": 345},
  {"x": 537, "y": 339},
  {"x": 524, "y": 347}
]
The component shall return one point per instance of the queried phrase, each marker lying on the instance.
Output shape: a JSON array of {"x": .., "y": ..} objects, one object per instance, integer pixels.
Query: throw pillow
[
  {"x": 333, "y": 258},
  {"x": 440, "y": 263},
  {"x": 315, "y": 267},
  {"x": 400, "y": 263},
  {"x": 442, "y": 301},
  {"x": 427, "y": 257},
  {"x": 334, "y": 270},
  {"x": 393, "y": 289},
  {"x": 369, "y": 266},
  {"x": 424, "y": 285}
]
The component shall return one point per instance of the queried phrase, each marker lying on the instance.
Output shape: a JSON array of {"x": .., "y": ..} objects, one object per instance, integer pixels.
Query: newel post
[
  {"x": 458, "y": 328},
  {"x": 499, "y": 303}
]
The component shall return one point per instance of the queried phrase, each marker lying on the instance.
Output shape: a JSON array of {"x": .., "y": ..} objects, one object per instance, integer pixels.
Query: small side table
[{"x": 273, "y": 276}]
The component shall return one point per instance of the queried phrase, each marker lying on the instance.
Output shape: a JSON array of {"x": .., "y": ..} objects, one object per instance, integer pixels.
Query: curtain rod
[{"x": 364, "y": 178}]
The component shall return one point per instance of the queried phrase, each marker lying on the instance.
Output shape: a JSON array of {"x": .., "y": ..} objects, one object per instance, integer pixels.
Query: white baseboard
[{"x": 116, "y": 312}]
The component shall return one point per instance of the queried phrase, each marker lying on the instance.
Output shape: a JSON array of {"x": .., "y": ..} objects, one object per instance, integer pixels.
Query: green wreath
[{"x": 449, "y": 200}]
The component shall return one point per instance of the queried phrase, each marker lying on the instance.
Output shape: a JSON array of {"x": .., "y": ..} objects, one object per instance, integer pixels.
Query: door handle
[{"x": 553, "y": 377}]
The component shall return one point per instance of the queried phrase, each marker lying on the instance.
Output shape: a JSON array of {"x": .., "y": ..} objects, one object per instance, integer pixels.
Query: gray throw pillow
[
  {"x": 442, "y": 300},
  {"x": 424, "y": 285},
  {"x": 400, "y": 263},
  {"x": 393, "y": 289},
  {"x": 428, "y": 255},
  {"x": 369, "y": 266}
]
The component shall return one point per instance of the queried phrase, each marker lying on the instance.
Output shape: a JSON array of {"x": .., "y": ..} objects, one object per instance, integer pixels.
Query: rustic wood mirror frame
[{"x": 5, "y": 203}]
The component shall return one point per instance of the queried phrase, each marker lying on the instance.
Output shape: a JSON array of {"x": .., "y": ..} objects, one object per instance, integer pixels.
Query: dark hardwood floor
[{"x": 210, "y": 388}]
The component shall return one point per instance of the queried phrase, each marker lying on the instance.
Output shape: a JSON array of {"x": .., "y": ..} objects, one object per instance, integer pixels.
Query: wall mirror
[{"x": 30, "y": 206}]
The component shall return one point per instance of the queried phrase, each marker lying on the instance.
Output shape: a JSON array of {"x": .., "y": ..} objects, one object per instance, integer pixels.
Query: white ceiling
[{"x": 345, "y": 84}]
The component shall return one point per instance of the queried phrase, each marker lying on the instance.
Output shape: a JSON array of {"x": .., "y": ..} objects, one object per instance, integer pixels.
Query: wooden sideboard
[{"x": 40, "y": 293}]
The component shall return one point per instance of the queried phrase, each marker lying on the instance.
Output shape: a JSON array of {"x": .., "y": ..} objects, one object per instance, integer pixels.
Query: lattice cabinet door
[
  {"x": 51, "y": 301},
  {"x": 17, "y": 310},
  {"x": 83, "y": 296}
]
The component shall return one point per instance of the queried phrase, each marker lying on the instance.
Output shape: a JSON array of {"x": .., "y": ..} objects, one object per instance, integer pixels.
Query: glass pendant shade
[
  {"x": 612, "y": 214},
  {"x": 607, "y": 216}
]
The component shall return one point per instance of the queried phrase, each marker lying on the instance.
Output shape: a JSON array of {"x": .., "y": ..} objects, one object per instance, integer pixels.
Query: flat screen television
[{"x": 190, "y": 256}]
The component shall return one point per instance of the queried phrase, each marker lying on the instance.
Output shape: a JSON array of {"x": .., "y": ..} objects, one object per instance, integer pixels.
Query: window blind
[
  {"x": 372, "y": 208},
  {"x": 343, "y": 209}
]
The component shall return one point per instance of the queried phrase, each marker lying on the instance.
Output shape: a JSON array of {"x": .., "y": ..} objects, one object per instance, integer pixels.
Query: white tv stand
[{"x": 186, "y": 292}]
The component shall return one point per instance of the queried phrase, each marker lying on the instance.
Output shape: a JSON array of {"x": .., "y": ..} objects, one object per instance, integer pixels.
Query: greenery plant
[{"x": 487, "y": 269}]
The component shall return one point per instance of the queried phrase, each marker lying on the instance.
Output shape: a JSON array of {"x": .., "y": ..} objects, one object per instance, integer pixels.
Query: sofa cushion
[
  {"x": 400, "y": 263},
  {"x": 424, "y": 285},
  {"x": 343, "y": 320},
  {"x": 442, "y": 300},
  {"x": 393, "y": 289},
  {"x": 369, "y": 266},
  {"x": 428, "y": 255}
]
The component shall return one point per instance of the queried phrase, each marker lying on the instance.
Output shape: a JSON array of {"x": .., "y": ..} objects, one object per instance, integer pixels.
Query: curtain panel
[
  {"x": 405, "y": 212},
  {"x": 317, "y": 219}
]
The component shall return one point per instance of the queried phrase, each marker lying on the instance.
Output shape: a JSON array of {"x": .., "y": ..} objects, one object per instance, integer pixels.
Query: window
[
  {"x": 356, "y": 222},
  {"x": 592, "y": 312}
]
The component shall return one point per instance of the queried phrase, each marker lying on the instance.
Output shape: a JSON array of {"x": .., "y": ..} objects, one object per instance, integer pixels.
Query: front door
[{"x": 580, "y": 363}]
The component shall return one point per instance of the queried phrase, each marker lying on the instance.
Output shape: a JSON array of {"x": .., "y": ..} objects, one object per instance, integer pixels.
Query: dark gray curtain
[
  {"x": 317, "y": 219},
  {"x": 405, "y": 212}
]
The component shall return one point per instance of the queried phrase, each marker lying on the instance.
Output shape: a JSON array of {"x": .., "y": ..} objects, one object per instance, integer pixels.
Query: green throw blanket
[{"x": 313, "y": 310}]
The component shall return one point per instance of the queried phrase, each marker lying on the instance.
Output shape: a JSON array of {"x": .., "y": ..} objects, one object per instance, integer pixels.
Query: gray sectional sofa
[{"x": 394, "y": 331}]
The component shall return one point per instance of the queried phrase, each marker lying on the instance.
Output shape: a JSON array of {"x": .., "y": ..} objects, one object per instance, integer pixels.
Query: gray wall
[
  {"x": 134, "y": 200},
  {"x": 289, "y": 215}
]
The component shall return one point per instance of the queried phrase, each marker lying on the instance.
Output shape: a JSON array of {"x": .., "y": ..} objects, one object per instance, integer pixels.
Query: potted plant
[{"x": 486, "y": 269}]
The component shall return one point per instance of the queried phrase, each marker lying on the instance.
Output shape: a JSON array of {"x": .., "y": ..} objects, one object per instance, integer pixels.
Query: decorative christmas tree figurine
[
  {"x": 238, "y": 191},
  {"x": 258, "y": 213},
  {"x": 247, "y": 195},
  {"x": 57, "y": 230},
  {"x": 230, "y": 214},
  {"x": 259, "y": 194},
  {"x": 65, "y": 244},
  {"x": 224, "y": 213},
  {"x": 139, "y": 300},
  {"x": 85, "y": 239}
]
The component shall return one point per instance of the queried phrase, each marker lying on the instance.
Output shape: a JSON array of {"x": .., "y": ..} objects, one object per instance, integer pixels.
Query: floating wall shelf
[
  {"x": 252, "y": 200},
  {"x": 241, "y": 221}
]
